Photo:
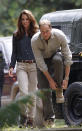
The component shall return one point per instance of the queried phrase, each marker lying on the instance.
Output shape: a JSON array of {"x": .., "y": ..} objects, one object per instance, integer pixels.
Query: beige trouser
[{"x": 27, "y": 80}]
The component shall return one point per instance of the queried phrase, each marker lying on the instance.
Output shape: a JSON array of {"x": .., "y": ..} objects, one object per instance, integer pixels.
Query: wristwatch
[{"x": 66, "y": 78}]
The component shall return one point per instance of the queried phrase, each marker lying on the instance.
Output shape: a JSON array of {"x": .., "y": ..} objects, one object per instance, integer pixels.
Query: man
[{"x": 52, "y": 56}]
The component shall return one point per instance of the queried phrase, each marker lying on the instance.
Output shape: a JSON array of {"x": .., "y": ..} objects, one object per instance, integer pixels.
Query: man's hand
[
  {"x": 53, "y": 84},
  {"x": 65, "y": 84}
]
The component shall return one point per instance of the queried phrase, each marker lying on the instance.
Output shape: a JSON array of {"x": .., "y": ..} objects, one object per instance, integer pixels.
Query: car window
[
  {"x": 80, "y": 32},
  {"x": 65, "y": 27}
]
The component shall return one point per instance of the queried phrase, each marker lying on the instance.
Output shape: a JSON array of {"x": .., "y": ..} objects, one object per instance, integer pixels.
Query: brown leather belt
[{"x": 27, "y": 61}]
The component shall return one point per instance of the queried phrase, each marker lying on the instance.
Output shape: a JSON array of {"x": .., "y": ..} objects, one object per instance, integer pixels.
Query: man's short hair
[{"x": 44, "y": 22}]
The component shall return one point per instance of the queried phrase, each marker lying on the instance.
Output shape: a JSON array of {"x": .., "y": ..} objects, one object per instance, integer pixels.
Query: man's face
[{"x": 45, "y": 31}]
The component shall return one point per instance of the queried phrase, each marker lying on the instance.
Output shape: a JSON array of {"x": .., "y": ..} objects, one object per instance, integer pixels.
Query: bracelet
[{"x": 66, "y": 78}]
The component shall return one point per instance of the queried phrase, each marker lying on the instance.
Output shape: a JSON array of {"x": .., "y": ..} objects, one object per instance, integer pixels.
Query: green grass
[
  {"x": 58, "y": 123},
  {"x": 10, "y": 113}
]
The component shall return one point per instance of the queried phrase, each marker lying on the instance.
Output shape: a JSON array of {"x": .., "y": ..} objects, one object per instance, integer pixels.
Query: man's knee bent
[{"x": 58, "y": 59}]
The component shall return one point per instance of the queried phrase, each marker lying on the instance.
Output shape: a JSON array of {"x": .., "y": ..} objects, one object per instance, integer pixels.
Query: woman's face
[{"x": 25, "y": 21}]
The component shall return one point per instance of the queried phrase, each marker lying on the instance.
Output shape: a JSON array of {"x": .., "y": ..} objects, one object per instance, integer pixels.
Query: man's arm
[
  {"x": 52, "y": 83},
  {"x": 41, "y": 64},
  {"x": 66, "y": 52},
  {"x": 66, "y": 78},
  {"x": 38, "y": 55},
  {"x": 67, "y": 71}
]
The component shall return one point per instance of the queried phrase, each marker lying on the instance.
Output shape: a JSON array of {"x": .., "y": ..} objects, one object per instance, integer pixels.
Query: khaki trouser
[
  {"x": 27, "y": 80},
  {"x": 56, "y": 69}
]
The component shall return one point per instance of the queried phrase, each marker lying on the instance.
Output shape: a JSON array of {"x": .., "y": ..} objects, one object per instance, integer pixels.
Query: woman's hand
[{"x": 11, "y": 72}]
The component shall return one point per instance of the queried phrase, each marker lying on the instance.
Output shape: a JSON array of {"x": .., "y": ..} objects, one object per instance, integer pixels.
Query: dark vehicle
[
  {"x": 70, "y": 22},
  {"x": 6, "y": 82}
]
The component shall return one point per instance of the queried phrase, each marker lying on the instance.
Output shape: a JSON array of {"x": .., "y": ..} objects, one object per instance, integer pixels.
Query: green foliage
[
  {"x": 9, "y": 115},
  {"x": 10, "y": 9}
]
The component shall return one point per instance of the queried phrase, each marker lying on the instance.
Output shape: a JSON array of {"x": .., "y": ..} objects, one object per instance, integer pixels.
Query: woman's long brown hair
[{"x": 33, "y": 28}]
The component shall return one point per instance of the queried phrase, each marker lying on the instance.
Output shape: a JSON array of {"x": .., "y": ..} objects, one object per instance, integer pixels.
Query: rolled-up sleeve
[{"x": 38, "y": 56}]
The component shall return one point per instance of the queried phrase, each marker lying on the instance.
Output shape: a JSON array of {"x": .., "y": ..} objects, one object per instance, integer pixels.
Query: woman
[{"x": 22, "y": 53}]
